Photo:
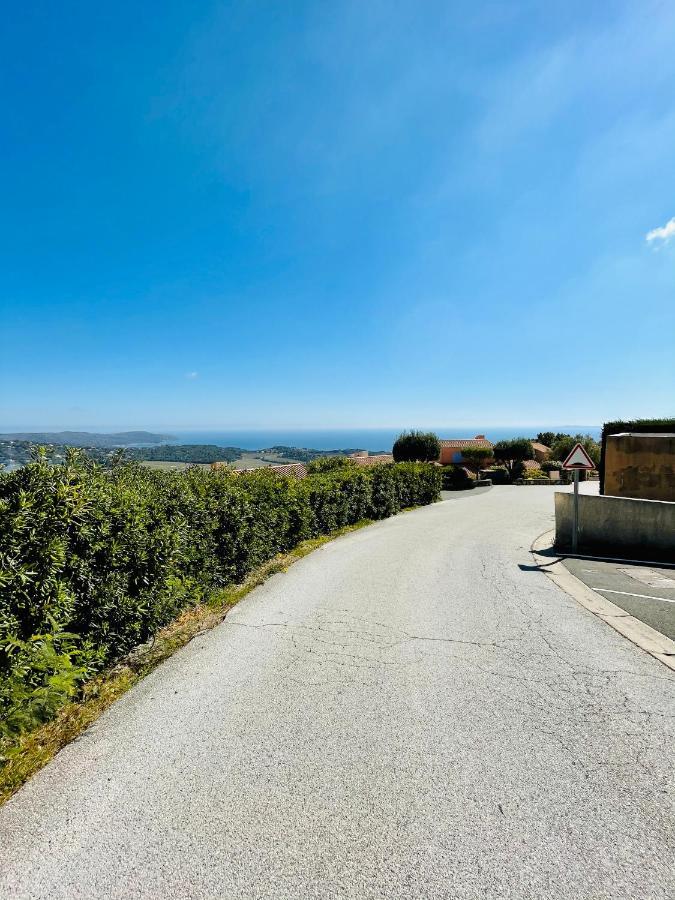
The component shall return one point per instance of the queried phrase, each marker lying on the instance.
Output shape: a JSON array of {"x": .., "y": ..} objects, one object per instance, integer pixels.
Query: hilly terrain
[{"x": 87, "y": 438}]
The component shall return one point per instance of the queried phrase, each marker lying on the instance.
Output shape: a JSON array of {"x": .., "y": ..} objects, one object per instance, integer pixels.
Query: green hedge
[
  {"x": 456, "y": 478},
  {"x": 93, "y": 561}
]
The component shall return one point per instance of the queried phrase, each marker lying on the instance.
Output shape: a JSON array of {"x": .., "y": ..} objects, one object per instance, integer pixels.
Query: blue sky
[{"x": 336, "y": 214}]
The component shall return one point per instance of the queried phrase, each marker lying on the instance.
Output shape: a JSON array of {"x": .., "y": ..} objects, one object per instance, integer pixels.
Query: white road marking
[{"x": 629, "y": 594}]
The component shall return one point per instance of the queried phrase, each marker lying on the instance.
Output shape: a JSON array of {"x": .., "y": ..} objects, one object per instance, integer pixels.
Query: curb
[{"x": 643, "y": 636}]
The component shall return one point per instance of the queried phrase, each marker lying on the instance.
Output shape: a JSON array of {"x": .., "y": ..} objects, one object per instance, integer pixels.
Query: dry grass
[{"x": 33, "y": 750}]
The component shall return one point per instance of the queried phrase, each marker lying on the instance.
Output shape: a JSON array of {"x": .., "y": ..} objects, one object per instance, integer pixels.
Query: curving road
[{"x": 412, "y": 711}]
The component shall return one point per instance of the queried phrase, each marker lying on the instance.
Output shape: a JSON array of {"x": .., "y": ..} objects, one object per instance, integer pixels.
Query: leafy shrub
[
  {"x": 417, "y": 484},
  {"x": 43, "y": 674},
  {"x": 329, "y": 464},
  {"x": 518, "y": 470},
  {"x": 417, "y": 446},
  {"x": 534, "y": 473},
  {"x": 337, "y": 499},
  {"x": 497, "y": 474},
  {"x": 456, "y": 478},
  {"x": 551, "y": 465},
  {"x": 94, "y": 561}
]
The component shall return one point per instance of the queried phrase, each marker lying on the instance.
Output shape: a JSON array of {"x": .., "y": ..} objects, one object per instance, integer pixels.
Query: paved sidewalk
[{"x": 646, "y": 592}]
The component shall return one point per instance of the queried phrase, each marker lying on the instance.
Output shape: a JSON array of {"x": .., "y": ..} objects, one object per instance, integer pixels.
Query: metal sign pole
[
  {"x": 577, "y": 459},
  {"x": 575, "y": 524}
]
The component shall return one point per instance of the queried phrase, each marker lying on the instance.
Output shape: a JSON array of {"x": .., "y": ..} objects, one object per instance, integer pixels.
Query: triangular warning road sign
[{"x": 578, "y": 459}]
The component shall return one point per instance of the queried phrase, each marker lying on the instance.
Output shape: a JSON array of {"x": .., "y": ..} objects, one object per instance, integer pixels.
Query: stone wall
[{"x": 640, "y": 466}]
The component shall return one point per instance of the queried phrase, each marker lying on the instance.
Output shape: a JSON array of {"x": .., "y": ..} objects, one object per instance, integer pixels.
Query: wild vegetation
[
  {"x": 86, "y": 438},
  {"x": 547, "y": 438},
  {"x": 18, "y": 452},
  {"x": 304, "y": 454},
  {"x": 188, "y": 453},
  {"x": 95, "y": 560},
  {"x": 564, "y": 443},
  {"x": 207, "y": 453}
]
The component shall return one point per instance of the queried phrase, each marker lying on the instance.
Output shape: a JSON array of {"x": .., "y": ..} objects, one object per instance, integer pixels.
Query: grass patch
[{"x": 23, "y": 757}]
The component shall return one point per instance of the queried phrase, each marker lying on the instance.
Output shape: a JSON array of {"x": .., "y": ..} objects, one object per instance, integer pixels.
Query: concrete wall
[
  {"x": 640, "y": 529},
  {"x": 640, "y": 465}
]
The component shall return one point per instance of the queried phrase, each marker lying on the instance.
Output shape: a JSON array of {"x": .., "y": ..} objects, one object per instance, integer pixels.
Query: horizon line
[{"x": 112, "y": 429}]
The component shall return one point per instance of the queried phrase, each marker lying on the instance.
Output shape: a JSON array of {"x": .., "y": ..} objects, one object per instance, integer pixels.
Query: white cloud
[
  {"x": 192, "y": 375},
  {"x": 665, "y": 233}
]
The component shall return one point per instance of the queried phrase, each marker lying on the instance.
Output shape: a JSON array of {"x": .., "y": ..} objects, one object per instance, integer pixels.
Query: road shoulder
[{"x": 640, "y": 633}]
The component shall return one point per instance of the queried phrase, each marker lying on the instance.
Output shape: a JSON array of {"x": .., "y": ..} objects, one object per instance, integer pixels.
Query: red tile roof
[
  {"x": 374, "y": 460},
  {"x": 294, "y": 470},
  {"x": 466, "y": 442}
]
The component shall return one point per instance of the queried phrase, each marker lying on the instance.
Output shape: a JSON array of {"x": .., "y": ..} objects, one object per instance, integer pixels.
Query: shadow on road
[{"x": 551, "y": 555}]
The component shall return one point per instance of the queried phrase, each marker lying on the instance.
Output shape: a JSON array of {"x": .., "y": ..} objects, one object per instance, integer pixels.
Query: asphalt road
[{"x": 413, "y": 711}]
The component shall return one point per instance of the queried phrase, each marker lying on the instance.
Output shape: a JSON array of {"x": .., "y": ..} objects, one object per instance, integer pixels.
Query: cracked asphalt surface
[{"x": 413, "y": 711}]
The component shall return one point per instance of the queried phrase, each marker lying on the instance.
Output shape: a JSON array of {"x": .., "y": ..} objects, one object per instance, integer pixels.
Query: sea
[{"x": 358, "y": 438}]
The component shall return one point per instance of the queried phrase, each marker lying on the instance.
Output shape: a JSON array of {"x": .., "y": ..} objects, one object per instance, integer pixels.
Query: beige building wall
[{"x": 640, "y": 466}]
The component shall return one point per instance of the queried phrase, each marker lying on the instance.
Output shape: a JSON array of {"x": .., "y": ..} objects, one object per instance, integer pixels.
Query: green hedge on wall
[
  {"x": 641, "y": 426},
  {"x": 94, "y": 561}
]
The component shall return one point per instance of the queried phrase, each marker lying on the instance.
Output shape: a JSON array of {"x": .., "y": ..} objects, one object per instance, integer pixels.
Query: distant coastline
[
  {"x": 241, "y": 449},
  {"x": 88, "y": 438},
  {"x": 372, "y": 439}
]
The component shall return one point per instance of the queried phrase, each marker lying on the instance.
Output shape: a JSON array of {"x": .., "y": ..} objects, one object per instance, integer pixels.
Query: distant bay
[{"x": 360, "y": 438}]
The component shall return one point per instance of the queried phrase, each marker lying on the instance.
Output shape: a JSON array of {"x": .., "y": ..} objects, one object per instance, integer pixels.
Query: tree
[
  {"x": 417, "y": 446},
  {"x": 513, "y": 453},
  {"x": 548, "y": 438},
  {"x": 564, "y": 443},
  {"x": 477, "y": 457}
]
